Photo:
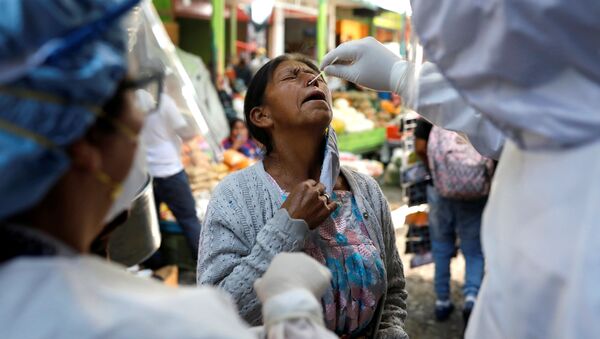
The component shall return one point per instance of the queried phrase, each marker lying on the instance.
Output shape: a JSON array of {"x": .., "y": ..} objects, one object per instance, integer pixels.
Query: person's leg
[
  {"x": 175, "y": 191},
  {"x": 442, "y": 235},
  {"x": 469, "y": 232},
  {"x": 156, "y": 189},
  {"x": 469, "y": 229}
]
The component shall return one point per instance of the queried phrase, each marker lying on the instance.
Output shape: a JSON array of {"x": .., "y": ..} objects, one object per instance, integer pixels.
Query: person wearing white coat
[
  {"x": 519, "y": 79},
  {"x": 69, "y": 150}
]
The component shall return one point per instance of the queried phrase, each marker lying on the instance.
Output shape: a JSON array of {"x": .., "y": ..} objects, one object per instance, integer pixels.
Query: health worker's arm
[
  {"x": 443, "y": 106},
  {"x": 370, "y": 64}
]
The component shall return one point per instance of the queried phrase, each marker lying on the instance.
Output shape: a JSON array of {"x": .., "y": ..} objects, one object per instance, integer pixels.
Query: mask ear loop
[{"x": 116, "y": 188}]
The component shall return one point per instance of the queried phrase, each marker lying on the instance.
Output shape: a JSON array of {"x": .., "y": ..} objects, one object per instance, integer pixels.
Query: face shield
[
  {"x": 159, "y": 73},
  {"x": 150, "y": 48}
]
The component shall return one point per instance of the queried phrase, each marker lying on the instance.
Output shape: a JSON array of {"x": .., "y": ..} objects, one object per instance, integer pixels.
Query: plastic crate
[
  {"x": 418, "y": 239},
  {"x": 361, "y": 142}
]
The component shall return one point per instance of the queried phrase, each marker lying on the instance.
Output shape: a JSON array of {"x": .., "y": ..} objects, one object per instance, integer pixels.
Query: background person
[
  {"x": 239, "y": 140},
  {"x": 452, "y": 217},
  {"x": 226, "y": 97},
  {"x": 242, "y": 71},
  {"x": 162, "y": 136}
]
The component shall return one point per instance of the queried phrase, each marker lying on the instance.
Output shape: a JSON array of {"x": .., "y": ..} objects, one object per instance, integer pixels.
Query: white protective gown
[
  {"x": 86, "y": 297},
  {"x": 82, "y": 296},
  {"x": 526, "y": 75}
]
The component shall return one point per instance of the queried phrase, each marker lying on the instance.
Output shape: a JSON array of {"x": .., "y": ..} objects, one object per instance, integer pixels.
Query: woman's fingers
[
  {"x": 324, "y": 199},
  {"x": 320, "y": 188},
  {"x": 310, "y": 183},
  {"x": 310, "y": 202},
  {"x": 332, "y": 206}
]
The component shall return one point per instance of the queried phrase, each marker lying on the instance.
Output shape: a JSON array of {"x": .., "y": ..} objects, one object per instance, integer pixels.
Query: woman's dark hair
[
  {"x": 256, "y": 92},
  {"x": 232, "y": 123}
]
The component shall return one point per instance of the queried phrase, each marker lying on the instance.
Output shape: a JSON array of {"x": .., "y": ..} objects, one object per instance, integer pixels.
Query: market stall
[{"x": 361, "y": 120}]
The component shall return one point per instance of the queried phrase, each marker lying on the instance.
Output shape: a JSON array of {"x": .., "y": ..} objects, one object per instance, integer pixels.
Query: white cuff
[
  {"x": 293, "y": 304},
  {"x": 399, "y": 77}
]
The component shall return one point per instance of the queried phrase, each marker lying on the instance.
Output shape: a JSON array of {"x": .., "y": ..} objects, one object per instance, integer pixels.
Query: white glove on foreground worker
[
  {"x": 291, "y": 271},
  {"x": 368, "y": 63},
  {"x": 290, "y": 291}
]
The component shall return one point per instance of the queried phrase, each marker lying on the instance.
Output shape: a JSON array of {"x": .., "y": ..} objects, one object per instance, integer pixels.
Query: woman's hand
[{"x": 308, "y": 202}]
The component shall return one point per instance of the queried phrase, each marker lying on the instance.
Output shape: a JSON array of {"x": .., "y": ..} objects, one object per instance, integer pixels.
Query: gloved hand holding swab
[{"x": 321, "y": 73}]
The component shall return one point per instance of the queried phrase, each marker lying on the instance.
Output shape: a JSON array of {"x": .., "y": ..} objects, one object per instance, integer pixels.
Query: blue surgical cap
[{"x": 73, "y": 50}]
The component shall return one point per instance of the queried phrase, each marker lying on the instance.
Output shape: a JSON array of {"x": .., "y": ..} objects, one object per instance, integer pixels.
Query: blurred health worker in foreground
[
  {"x": 521, "y": 80},
  {"x": 69, "y": 163}
]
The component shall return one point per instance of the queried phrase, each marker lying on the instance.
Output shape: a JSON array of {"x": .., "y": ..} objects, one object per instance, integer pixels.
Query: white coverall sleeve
[{"x": 443, "y": 106}]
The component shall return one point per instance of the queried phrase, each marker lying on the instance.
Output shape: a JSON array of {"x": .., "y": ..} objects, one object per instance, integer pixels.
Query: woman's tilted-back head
[{"x": 281, "y": 98}]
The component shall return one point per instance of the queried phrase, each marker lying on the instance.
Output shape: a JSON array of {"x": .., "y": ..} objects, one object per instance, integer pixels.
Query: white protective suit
[
  {"x": 81, "y": 296},
  {"x": 525, "y": 76}
]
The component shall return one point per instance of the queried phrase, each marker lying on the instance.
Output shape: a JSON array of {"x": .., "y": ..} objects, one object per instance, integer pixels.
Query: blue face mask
[{"x": 331, "y": 162}]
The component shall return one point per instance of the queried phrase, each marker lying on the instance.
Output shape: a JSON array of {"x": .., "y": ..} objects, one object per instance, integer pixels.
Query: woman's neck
[{"x": 295, "y": 159}]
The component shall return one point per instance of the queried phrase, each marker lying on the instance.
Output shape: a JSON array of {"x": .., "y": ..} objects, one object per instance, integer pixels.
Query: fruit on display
[
  {"x": 235, "y": 160},
  {"x": 203, "y": 173},
  {"x": 339, "y": 126},
  {"x": 389, "y": 107},
  {"x": 354, "y": 121},
  {"x": 364, "y": 166},
  {"x": 418, "y": 219},
  {"x": 206, "y": 178},
  {"x": 362, "y": 111}
]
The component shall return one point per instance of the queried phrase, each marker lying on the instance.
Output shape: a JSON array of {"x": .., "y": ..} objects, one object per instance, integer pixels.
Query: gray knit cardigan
[{"x": 245, "y": 227}]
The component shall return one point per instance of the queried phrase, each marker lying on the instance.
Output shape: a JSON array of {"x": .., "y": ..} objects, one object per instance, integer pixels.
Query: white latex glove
[
  {"x": 368, "y": 63},
  {"x": 290, "y": 291},
  {"x": 292, "y": 271}
]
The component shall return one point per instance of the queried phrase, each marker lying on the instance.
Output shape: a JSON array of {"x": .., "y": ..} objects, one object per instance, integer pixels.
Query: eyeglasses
[{"x": 148, "y": 91}]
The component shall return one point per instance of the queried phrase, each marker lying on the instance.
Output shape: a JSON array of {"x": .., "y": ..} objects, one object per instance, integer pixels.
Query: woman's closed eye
[
  {"x": 294, "y": 74},
  {"x": 291, "y": 74}
]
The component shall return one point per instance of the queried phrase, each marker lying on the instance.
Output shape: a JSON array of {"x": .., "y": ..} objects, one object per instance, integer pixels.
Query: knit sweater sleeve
[
  {"x": 233, "y": 254},
  {"x": 394, "y": 310}
]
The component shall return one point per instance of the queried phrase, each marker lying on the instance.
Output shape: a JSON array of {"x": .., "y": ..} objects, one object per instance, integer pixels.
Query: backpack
[{"x": 457, "y": 169}]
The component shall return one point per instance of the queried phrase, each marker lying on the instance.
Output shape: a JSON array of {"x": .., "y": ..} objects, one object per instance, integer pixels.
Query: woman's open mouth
[{"x": 315, "y": 95}]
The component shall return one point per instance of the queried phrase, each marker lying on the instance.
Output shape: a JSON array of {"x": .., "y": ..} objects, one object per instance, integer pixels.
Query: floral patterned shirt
[{"x": 342, "y": 243}]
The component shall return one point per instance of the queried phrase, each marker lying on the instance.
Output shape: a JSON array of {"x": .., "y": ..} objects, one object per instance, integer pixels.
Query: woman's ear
[
  {"x": 85, "y": 156},
  {"x": 260, "y": 117}
]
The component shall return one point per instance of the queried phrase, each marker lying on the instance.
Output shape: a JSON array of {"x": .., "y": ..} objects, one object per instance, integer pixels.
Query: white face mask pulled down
[
  {"x": 331, "y": 162},
  {"x": 132, "y": 185}
]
